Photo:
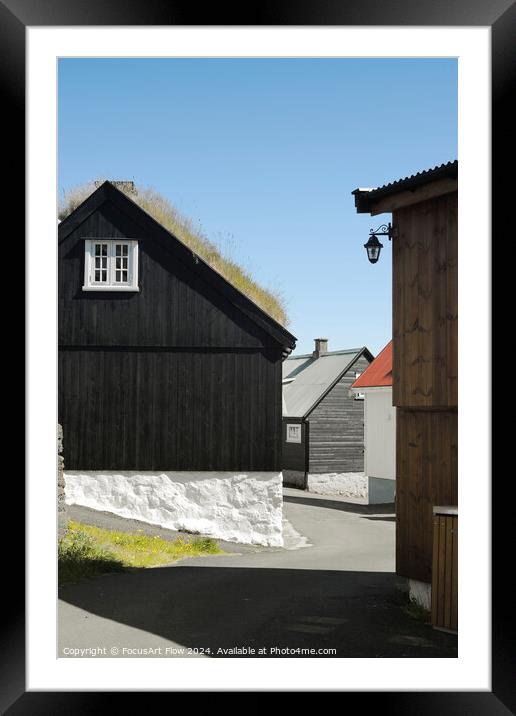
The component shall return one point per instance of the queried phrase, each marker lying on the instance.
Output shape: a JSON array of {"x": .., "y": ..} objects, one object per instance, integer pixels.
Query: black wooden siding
[
  {"x": 337, "y": 428},
  {"x": 173, "y": 377},
  {"x": 295, "y": 455},
  {"x": 170, "y": 410},
  {"x": 174, "y": 306}
]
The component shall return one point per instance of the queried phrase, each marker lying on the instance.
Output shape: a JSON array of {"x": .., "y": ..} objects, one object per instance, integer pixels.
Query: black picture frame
[{"x": 15, "y": 16}]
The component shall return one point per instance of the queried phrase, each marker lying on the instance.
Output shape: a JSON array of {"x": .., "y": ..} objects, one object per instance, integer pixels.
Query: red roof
[{"x": 377, "y": 373}]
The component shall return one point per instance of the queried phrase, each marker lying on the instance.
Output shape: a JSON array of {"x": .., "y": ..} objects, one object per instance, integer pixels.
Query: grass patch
[
  {"x": 416, "y": 611},
  {"x": 160, "y": 208},
  {"x": 87, "y": 551},
  {"x": 401, "y": 598}
]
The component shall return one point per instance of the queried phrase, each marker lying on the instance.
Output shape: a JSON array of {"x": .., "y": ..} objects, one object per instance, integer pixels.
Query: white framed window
[
  {"x": 293, "y": 433},
  {"x": 110, "y": 265}
]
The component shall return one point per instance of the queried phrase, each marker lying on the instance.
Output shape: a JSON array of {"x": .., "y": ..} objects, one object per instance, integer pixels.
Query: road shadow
[
  {"x": 380, "y": 518},
  {"x": 359, "y": 614},
  {"x": 386, "y": 508}
]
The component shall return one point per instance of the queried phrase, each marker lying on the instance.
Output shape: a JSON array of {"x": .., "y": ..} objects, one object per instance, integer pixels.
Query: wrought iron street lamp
[{"x": 373, "y": 246}]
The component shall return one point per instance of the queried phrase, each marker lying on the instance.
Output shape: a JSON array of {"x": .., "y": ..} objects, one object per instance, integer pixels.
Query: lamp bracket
[{"x": 383, "y": 230}]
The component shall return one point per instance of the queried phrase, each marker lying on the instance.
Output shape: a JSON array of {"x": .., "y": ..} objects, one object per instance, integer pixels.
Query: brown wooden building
[{"x": 424, "y": 298}]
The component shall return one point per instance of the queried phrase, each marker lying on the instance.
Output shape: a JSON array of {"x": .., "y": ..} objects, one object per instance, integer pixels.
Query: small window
[
  {"x": 110, "y": 265},
  {"x": 358, "y": 396},
  {"x": 293, "y": 433}
]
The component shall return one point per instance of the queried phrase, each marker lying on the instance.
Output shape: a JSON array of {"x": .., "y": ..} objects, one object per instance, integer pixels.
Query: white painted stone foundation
[
  {"x": 346, "y": 484},
  {"x": 237, "y": 507},
  {"x": 421, "y": 593}
]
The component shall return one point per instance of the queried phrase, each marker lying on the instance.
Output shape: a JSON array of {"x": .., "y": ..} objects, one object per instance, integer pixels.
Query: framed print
[{"x": 183, "y": 369}]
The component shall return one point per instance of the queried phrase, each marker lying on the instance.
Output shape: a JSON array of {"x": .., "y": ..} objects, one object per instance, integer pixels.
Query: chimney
[{"x": 321, "y": 347}]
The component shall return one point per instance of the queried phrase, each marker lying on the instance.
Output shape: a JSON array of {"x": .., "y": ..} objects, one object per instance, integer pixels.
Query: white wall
[
  {"x": 345, "y": 484},
  {"x": 421, "y": 593},
  {"x": 379, "y": 433},
  {"x": 237, "y": 507}
]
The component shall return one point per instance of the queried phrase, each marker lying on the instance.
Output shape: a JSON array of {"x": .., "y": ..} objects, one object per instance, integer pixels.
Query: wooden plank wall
[
  {"x": 295, "y": 455},
  {"x": 424, "y": 375},
  {"x": 170, "y": 410},
  {"x": 173, "y": 377},
  {"x": 426, "y": 475},
  {"x": 337, "y": 428},
  {"x": 444, "y": 572},
  {"x": 425, "y": 304}
]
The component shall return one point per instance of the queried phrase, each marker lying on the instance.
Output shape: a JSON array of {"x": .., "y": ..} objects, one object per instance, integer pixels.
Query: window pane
[{"x": 109, "y": 262}]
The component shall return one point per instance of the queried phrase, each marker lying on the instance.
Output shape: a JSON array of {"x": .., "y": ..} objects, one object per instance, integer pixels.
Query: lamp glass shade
[{"x": 373, "y": 248}]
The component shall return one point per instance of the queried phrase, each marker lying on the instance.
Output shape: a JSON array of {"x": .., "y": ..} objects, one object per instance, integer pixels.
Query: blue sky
[{"x": 264, "y": 154}]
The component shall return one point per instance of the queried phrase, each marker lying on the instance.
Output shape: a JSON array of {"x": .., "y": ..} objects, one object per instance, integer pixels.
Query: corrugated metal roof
[
  {"x": 294, "y": 364},
  {"x": 364, "y": 196},
  {"x": 379, "y": 372},
  {"x": 312, "y": 377}
]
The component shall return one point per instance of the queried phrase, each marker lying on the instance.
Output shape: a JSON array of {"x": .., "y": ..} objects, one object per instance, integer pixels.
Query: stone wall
[
  {"x": 62, "y": 520},
  {"x": 237, "y": 507},
  {"x": 345, "y": 484}
]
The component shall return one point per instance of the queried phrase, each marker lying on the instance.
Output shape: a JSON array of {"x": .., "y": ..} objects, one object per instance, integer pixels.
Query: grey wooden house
[{"x": 323, "y": 422}]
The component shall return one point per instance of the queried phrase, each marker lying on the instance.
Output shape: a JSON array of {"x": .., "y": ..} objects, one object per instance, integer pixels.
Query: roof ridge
[{"x": 343, "y": 351}]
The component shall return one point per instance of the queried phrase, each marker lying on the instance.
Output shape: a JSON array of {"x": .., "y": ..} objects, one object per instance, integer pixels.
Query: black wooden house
[{"x": 164, "y": 367}]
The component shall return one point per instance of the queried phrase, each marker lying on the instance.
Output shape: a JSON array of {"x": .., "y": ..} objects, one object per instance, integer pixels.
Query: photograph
[
  {"x": 257, "y": 438},
  {"x": 244, "y": 453}
]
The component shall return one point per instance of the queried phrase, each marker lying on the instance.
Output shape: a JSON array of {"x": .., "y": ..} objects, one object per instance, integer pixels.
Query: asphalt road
[{"x": 339, "y": 596}]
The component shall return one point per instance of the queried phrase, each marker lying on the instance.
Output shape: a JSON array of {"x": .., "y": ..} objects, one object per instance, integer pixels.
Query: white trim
[
  {"x": 132, "y": 265},
  {"x": 110, "y": 288},
  {"x": 372, "y": 389}
]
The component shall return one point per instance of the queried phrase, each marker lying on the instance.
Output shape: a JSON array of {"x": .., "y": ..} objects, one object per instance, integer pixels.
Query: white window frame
[
  {"x": 111, "y": 285},
  {"x": 297, "y": 437}
]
